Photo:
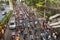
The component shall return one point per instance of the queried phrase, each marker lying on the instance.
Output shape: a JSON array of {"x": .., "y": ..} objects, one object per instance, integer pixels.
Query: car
[
  {"x": 12, "y": 24},
  {"x": 4, "y": 13},
  {"x": 2, "y": 8}
]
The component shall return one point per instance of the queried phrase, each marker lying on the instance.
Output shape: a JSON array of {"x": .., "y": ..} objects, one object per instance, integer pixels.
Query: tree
[{"x": 40, "y": 5}]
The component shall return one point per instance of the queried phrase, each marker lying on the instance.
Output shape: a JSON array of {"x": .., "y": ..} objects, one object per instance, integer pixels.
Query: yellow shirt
[{"x": 17, "y": 38}]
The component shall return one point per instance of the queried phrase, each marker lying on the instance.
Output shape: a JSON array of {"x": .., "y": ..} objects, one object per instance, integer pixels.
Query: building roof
[{"x": 52, "y": 17}]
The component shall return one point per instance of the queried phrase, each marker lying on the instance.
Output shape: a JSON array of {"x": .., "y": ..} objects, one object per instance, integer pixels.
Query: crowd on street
[{"x": 28, "y": 27}]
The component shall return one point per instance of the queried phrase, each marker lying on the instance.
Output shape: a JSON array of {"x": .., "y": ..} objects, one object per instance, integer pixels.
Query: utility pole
[
  {"x": 11, "y": 4},
  {"x": 45, "y": 10},
  {"x": 45, "y": 18}
]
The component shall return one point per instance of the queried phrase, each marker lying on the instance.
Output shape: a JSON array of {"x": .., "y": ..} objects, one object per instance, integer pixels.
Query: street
[
  {"x": 25, "y": 25},
  {"x": 2, "y": 12},
  {"x": 8, "y": 31}
]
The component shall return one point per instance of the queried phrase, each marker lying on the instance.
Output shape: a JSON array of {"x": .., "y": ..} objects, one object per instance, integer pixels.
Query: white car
[
  {"x": 4, "y": 13},
  {"x": 12, "y": 24}
]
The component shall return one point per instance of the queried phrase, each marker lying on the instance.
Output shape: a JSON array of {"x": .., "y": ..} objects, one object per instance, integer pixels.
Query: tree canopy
[{"x": 40, "y": 3}]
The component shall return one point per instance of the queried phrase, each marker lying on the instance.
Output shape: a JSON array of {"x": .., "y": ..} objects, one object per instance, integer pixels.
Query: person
[
  {"x": 54, "y": 36},
  {"x": 43, "y": 36},
  {"x": 3, "y": 31},
  {"x": 30, "y": 31},
  {"x": 57, "y": 35},
  {"x": 48, "y": 34},
  {"x": 31, "y": 37},
  {"x": 36, "y": 36},
  {"x": 49, "y": 37},
  {"x": 13, "y": 35},
  {"x": 17, "y": 37},
  {"x": 3, "y": 34},
  {"x": 0, "y": 32},
  {"x": 16, "y": 28},
  {"x": 5, "y": 26},
  {"x": 21, "y": 29},
  {"x": 44, "y": 24},
  {"x": 25, "y": 33}
]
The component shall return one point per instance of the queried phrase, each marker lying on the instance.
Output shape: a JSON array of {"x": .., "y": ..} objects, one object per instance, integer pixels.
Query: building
[{"x": 55, "y": 21}]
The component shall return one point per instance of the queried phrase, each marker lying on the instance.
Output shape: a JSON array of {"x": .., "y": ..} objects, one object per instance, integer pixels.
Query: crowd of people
[
  {"x": 2, "y": 32},
  {"x": 29, "y": 27}
]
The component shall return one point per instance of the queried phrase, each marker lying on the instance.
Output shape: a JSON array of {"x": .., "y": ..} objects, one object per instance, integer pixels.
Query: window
[{"x": 11, "y": 23}]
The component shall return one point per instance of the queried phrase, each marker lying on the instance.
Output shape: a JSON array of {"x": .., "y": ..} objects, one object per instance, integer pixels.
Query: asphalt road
[
  {"x": 6, "y": 10},
  {"x": 8, "y": 33},
  {"x": 1, "y": 15}
]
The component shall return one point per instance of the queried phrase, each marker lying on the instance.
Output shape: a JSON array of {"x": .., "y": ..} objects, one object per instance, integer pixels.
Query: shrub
[{"x": 6, "y": 18}]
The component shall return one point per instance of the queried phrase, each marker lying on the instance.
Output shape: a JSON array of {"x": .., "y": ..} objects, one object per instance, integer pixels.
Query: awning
[
  {"x": 56, "y": 23},
  {"x": 56, "y": 26},
  {"x": 54, "y": 16}
]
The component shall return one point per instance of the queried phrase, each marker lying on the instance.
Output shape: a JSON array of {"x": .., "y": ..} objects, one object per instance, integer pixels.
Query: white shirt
[
  {"x": 13, "y": 33},
  {"x": 31, "y": 37},
  {"x": 21, "y": 12},
  {"x": 20, "y": 21},
  {"x": 36, "y": 22},
  {"x": 2, "y": 31}
]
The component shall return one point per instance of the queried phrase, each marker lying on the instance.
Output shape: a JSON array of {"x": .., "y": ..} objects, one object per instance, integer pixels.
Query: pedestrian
[
  {"x": 19, "y": 31},
  {"x": 43, "y": 36},
  {"x": 44, "y": 24},
  {"x": 25, "y": 33},
  {"x": 31, "y": 37},
  {"x": 36, "y": 36},
  {"x": 54, "y": 36},
  {"x": 48, "y": 34},
  {"x": 5, "y": 26},
  {"x": 0, "y": 34},
  {"x": 22, "y": 29},
  {"x": 17, "y": 37},
  {"x": 16, "y": 28},
  {"x": 3, "y": 34},
  {"x": 30, "y": 32}
]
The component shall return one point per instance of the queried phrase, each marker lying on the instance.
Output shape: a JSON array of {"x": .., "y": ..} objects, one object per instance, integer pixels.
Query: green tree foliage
[
  {"x": 33, "y": 2},
  {"x": 40, "y": 3},
  {"x": 6, "y": 18}
]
